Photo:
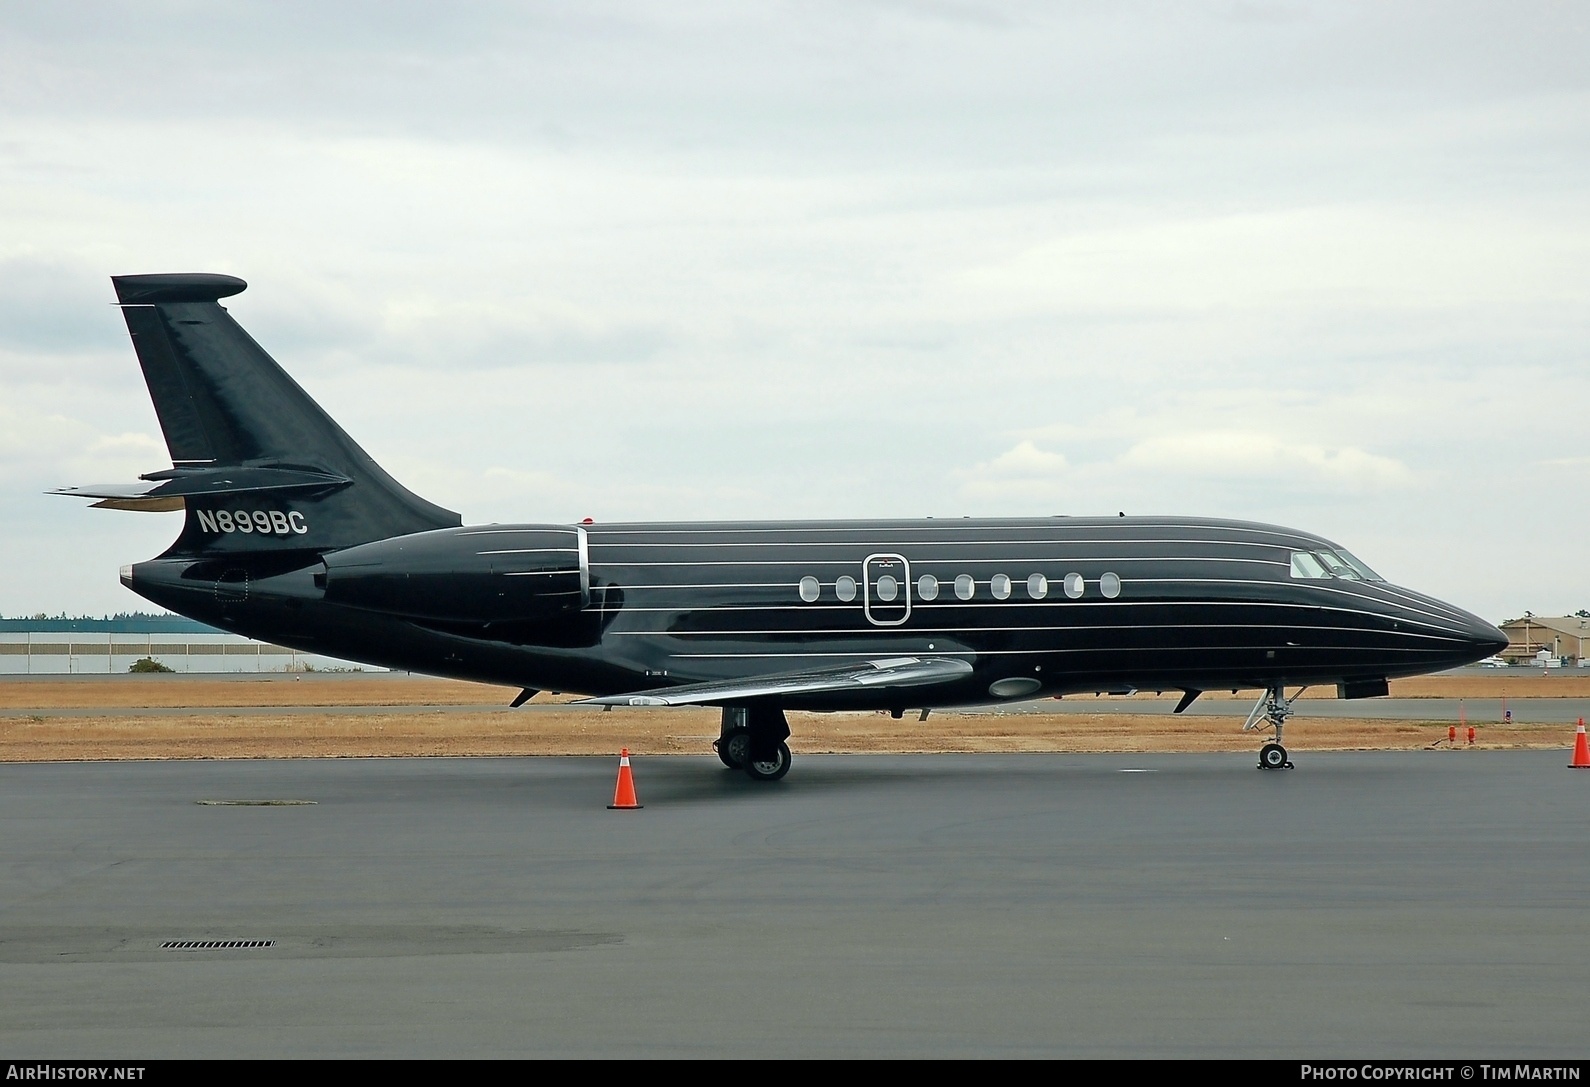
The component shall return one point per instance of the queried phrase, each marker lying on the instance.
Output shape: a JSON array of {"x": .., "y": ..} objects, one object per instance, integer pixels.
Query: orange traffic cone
[
  {"x": 624, "y": 795},
  {"x": 1581, "y": 753}
]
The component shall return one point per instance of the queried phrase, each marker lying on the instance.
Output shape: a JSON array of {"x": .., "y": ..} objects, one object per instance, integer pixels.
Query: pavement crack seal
[{"x": 256, "y": 803}]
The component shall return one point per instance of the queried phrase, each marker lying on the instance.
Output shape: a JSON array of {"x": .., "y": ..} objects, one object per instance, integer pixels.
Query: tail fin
[{"x": 257, "y": 464}]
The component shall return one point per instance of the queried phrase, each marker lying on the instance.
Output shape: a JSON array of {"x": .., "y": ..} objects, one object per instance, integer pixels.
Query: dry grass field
[
  {"x": 401, "y": 690},
  {"x": 244, "y": 689},
  {"x": 286, "y": 716}
]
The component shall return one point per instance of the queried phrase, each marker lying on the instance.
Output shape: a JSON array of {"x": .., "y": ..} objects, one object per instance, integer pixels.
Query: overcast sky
[{"x": 1324, "y": 265}]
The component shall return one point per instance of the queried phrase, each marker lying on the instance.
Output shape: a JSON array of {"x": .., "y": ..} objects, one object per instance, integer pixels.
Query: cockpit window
[
  {"x": 1335, "y": 565},
  {"x": 1327, "y": 563},
  {"x": 1363, "y": 571},
  {"x": 1306, "y": 565}
]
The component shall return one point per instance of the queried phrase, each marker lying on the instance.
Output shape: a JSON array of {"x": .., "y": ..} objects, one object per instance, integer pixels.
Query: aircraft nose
[
  {"x": 1469, "y": 638},
  {"x": 1487, "y": 640}
]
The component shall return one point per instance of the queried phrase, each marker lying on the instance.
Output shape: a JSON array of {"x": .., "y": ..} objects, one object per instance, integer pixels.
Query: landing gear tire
[
  {"x": 769, "y": 769},
  {"x": 1271, "y": 711},
  {"x": 733, "y": 748},
  {"x": 1273, "y": 757}
]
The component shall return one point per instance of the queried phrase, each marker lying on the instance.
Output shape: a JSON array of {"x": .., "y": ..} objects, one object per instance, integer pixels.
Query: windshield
[
  {"x": 1363, "y": 571},
  {"x": 1327, "y": 563},
  {"x": 1335, "y": 565}
]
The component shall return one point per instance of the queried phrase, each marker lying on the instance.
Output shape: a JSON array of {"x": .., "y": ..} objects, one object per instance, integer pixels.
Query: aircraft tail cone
[
  {"x": 624, "y": 794},
  {"x": 1581, "y": 751}
]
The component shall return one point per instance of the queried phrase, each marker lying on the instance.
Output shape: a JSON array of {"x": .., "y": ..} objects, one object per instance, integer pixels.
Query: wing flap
[{"x": 885, "y": 673}]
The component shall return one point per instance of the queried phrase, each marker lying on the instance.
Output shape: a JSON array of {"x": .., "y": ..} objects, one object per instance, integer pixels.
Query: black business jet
[{"x": 295, "y": 536}]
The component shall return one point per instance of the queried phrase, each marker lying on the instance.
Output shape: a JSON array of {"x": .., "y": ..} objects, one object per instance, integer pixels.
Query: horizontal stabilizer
[
  {"x": 168, "y": 489},
  {"x": 872, "y": 675},
  {"x": 138, "y": 503}
]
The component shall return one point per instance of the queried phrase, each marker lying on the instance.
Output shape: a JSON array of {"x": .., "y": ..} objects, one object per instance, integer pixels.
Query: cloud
[
  {"x": 1023, "y": 479},
  {"x": 822, "y": 259},
  {"x": 1247, "y": 455},
  {"x": 1026, "y": 460},
  {"x": 52, "y": 450},
  {"x": 1161, "y": 463},
  {"x": 44, "y": 305},
  {"x": 1345, "y": 257}
]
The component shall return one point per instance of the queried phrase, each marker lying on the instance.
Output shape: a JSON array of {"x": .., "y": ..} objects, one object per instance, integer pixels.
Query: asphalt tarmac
[{"x": 1365, "y": 905}]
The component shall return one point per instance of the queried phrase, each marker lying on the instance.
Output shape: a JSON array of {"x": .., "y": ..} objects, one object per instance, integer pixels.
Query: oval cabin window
[
  {"x": 1110, "y": 586},
  {"x": 965, "y": 586},
  {"x": 888, "y": 588},
  {"x": 1037, "y": 586},
  {"x": 809, "y": 589},
  {"x": 1074, "y": 586},
  {"x": 927, "y": 587},
  {"x": 999, "y": 585},
  {"x": 845, "y": 588}
]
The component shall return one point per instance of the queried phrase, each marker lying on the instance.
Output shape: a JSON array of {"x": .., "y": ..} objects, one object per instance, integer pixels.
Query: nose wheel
[
  {"x": 1273, "y": 757},
  {"x": 1271, "y": 711}
]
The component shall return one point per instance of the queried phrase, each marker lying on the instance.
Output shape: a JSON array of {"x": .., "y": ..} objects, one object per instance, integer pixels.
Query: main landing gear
[
  {"x": 1271, "y": 711},
  {"x": 752, "y": 739}
]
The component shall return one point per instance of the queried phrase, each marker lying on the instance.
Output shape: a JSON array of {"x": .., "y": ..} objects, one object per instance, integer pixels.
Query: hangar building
[
  {"x": 103, "y": 646},
  {"x": 1566, "y": 637}
]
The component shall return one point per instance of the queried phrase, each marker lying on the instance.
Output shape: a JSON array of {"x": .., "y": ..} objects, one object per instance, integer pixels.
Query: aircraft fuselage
[{"x": 1047, "y": 606}]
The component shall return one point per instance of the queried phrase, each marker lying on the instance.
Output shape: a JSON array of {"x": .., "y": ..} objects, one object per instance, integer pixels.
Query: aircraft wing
[{"x": 886, "y": 673}]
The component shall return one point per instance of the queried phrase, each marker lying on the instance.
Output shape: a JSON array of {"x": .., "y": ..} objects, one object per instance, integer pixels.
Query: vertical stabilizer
[{"x": 223, "y": 403}]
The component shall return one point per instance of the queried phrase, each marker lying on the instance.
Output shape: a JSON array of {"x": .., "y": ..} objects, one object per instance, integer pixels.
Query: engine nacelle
[{"x": 486, "y": 574}]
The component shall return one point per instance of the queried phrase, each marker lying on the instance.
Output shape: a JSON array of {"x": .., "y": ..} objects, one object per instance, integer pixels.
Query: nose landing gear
[{"x": 1271, "y": 711}]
